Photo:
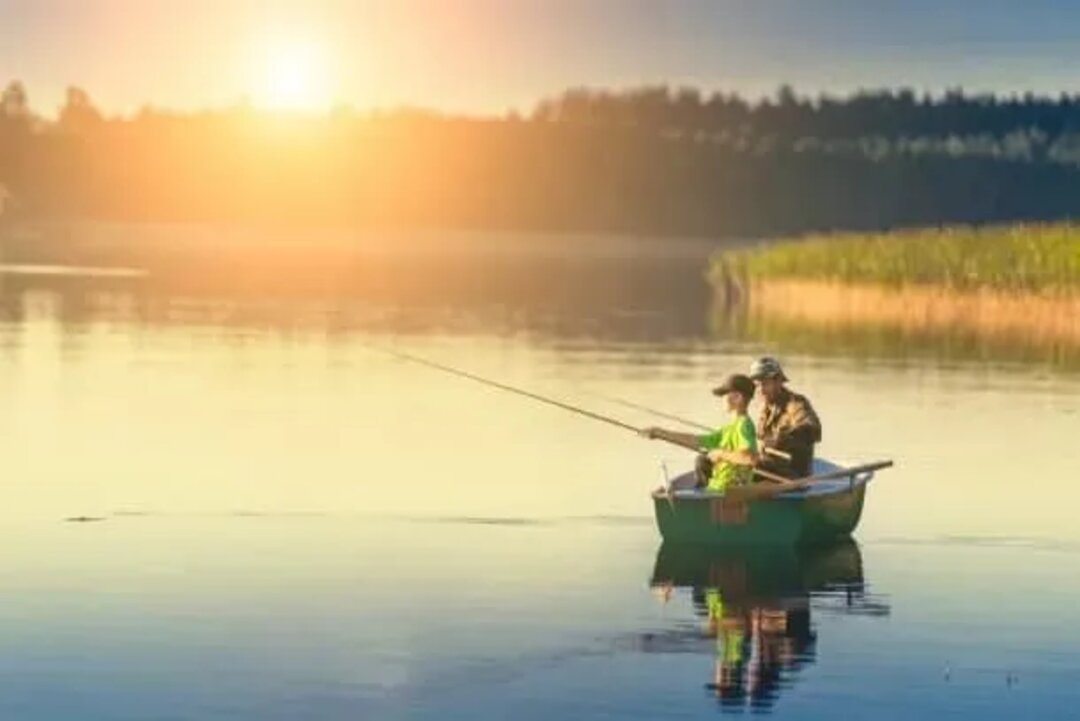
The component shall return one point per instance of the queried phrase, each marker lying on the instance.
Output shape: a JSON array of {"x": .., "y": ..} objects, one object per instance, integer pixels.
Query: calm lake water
[{"x": 231, "y": 506}]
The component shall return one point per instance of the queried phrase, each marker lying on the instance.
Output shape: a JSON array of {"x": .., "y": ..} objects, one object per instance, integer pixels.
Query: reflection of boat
[
  {"x": 763, "y": 572},
  {"x": 755, "y": 606},
  {"x": 823, "y": 512}
]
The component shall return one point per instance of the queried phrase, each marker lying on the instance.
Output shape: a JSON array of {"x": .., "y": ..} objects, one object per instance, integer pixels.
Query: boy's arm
[
  {"x": 686, "y": 440},
  {"x": 745, "y": 453},
  {"x": 740, "y": 457}
]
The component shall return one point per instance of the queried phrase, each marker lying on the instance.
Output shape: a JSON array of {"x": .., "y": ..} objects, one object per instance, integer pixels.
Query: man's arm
[
  {"x": 796, "y": 433},
  {"x": 795, "y": 439},
  {"x": 801, "y": 424}
]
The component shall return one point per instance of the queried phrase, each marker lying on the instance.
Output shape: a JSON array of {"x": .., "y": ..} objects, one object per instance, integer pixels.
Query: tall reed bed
[{"x": 1039, "y": 258}]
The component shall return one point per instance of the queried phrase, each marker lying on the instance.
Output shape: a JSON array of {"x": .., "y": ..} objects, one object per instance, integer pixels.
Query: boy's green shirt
[{"x": 739, "y": 435}]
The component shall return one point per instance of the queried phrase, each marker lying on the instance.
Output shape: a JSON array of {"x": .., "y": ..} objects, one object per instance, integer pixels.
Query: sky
[{"x": 491, "y": 56}]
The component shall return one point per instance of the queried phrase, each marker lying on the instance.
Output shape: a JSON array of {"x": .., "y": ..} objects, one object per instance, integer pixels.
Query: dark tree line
[
  {"x": 648, "y": 161},
  {"x": 890, "y": 114}
]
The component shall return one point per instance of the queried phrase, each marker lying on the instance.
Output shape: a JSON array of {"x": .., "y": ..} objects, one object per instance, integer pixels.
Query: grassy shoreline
[
  {"x": 1022, "y": 259},
  {"x": 1000, "y": 287}
]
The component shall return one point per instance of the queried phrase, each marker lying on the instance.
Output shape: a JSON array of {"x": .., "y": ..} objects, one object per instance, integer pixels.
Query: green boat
[{"x": 824, "y": 511}]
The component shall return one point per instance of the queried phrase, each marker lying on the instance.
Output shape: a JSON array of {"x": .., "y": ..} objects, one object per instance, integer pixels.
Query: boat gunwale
[{"x": 828, "y": 488}]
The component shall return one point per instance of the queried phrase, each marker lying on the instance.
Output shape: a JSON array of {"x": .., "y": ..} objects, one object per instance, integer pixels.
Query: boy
[{"x": 732, "y": 448}]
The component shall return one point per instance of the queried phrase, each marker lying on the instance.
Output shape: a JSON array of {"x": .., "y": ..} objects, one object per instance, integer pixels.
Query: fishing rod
[
  {"x": 659, "y": 414},
  {"x": 781, "y": 481},
  {"x": 512, "y": 389},
  {"x": 685, "y": 421}
]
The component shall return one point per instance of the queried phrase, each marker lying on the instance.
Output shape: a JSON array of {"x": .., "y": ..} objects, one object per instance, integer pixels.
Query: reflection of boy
[{"x": 731, "y": 645}]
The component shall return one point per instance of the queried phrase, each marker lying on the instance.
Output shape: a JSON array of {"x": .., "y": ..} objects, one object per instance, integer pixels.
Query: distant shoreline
[
  {"x": 44, "y": 240},
  {"x": 650, "y": 162}
]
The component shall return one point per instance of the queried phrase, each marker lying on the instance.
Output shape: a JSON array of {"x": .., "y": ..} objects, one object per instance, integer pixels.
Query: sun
[{"x": 293, "y": 76}]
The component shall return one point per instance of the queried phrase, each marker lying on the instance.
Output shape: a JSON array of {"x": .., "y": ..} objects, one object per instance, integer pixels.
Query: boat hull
[{"x": 814, "y": 517}]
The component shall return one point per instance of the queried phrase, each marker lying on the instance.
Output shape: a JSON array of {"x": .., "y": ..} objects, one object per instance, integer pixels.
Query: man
[
  {"x": 732, "y": 449},
  {"x": 788, "y": 427}
]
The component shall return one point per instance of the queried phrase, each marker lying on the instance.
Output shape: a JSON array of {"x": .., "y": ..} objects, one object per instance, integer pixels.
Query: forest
[{"x": 655, "y": 161}]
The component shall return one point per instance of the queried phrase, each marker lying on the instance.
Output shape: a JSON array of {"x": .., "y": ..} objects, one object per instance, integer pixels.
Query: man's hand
[{"x": 718, "y": 456}]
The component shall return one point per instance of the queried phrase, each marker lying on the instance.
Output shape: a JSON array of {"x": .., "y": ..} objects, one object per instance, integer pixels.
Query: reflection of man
[
  {"x": 783, "y": 639},
  {"x": 5, "y": 206},
  {"x": 5, "y": 199},
  {"x": 788, "y": 424}
]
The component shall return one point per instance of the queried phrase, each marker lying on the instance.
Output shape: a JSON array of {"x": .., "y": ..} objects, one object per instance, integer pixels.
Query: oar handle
[
  {"x": 852, "y": 471},
  {"x": 839, "y": 473},
  {"x": 770, "y": 476},
  {"x": 776, "y": 452}
]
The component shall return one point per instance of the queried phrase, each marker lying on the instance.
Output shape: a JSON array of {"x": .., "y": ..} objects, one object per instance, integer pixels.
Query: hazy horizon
[{"x": 493, "y": 57}]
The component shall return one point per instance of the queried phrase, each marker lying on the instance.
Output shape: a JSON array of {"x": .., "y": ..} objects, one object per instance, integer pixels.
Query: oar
[
  {"x": 845, "y": 472},
  {"x": 784, "y": 485}
]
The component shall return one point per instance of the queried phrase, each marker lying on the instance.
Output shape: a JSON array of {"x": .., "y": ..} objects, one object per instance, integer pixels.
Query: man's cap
[
  {"x": 736, "y": 382},
  {"x": 767, "y": 367}
]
